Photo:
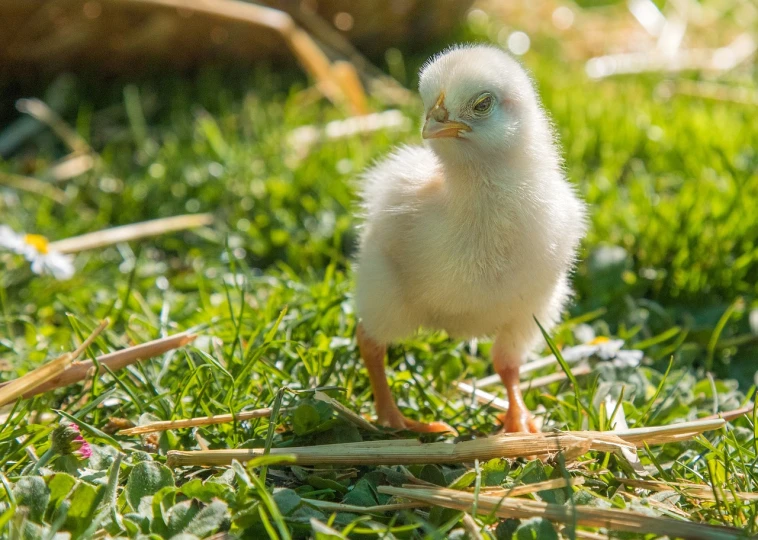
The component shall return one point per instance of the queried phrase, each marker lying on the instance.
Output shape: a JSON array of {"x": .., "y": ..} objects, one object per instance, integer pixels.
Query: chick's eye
[{"x": 483, "y": 104}]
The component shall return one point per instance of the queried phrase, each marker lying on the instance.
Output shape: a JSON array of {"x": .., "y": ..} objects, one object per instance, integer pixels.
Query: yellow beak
[
  {"x": 434, "y": 129},
  {"x": 438, "y": 125}
]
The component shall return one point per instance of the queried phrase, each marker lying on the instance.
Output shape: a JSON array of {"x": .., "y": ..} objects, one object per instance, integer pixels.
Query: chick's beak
[
  {"x": 434, "y": 129},
  {"x": 438, "y": 124}
]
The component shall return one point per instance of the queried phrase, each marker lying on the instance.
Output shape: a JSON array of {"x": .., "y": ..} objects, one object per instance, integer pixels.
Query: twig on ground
[
  {"x": 78, "y": 371},
  {"x": 410, "y": 451},
  {"x": 202, "y": 443},
  {"x": 665, "y": 507},
  {"x": 336, "y": 88},
  {"x": 24, "y": 385},
  {"x": 378, "y": 509},
  {"x": 166, "y": 425},
  {"x": 696, "y": 491},
  {"x": 245, "y": 415},
  {"x": 302, "y": 139},
  {"x": 733, "y": 414},
  {"x": 547, "y": 485},
  {"x": 41, "y": 112},
  {"x": 32, "y": 185},
  {"x": 345, "y": 413},
  {"x": 127, "y": 233},
  {"x": 485, "y": 398},
  {"x": 612, "y": 519},
  {"x": 471, "y": 527},
  {"x": 327, "y": 34},
  {"x": 82, "y": 157},
  {"x": 71, "y": 166}
]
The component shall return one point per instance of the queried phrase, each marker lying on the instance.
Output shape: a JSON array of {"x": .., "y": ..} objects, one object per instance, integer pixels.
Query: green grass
[{"x": 670, "y": 265}]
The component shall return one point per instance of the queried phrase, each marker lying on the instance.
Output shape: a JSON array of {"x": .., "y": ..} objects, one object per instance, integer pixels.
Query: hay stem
[
  {"x": 40, "y": 111},
  {"x": 612, "y": 519},
  {"x": 528, "y": 489},
  {"x": 32, "y": 185},
  {"x": 127, "y": 233},
  {"x": 378, "y": 509},
  {"x": 695, "y": 491},
  {"x": 166, "y": 425},
  {"x": 411, "y": 451},
  {"x": 303, "y": 46},
  {"x": 24, "y": 384},
  {"x": 77, "y": 371}
]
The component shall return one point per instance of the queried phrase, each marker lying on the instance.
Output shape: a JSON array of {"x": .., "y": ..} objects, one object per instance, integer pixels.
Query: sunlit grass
[{"x": 672, "y": 184}]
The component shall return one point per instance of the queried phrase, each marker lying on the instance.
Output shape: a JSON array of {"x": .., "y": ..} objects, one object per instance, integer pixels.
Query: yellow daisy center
[
  {"x": 598, "y": 340},
  {"x": 38, "y": 242}
]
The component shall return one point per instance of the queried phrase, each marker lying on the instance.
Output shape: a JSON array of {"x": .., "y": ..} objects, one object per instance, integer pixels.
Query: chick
[{"x": 474, "y": 233}]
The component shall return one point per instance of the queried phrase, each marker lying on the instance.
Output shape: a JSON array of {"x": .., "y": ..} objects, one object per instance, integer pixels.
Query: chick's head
[{"x": 478, "y": 103}]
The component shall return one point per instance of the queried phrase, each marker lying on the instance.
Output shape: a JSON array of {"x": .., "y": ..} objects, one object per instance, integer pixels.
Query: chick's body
[
  {"x": 475, "y": 233},
  {"x": 472, "y": 264}
]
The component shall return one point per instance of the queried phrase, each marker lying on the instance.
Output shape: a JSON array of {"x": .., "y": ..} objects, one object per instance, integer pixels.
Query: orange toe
[
  {"x": 431, "y": 427},
  {"x": 396, "y": 420}
]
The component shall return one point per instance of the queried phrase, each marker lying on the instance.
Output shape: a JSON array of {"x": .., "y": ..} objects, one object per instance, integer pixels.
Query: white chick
[{"x": 474, "y": 233}]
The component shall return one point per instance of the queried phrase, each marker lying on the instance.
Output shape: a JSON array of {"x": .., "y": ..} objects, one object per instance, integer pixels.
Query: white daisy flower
[
  {"x": 605, "y": 349},
  {"x": 36, "y": 250},
  {"x": 11, "y": 241}
]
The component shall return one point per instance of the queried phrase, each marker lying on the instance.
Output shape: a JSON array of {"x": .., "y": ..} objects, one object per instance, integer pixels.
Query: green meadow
[{"x": 670, "y": 266}]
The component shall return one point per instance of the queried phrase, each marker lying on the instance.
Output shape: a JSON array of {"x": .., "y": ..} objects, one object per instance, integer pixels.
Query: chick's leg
[
  {"x": 518, "y": 418},
  {"x": 388, "y": 414}
]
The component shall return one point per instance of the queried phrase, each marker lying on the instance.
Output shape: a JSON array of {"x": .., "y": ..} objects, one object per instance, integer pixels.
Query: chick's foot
[
  {"x": 393, "y": 418},
  {"x": 389, "y": 415},
  {"x": 517, "y": 420}
]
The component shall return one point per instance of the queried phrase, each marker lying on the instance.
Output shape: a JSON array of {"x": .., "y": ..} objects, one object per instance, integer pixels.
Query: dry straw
[
  {"x": 166, "y": 425},
  {"x": 666, "y": 507},
  {"x": 44, "y": 114},
  {"x": 345, "y": 413},
  {"x": 153, "y": 427},
  {"x": 411, "y": 451},
  {"x": 589, "y": 516},
  {"x": 695, "y": 491},
  {"x": 378, "y": 509},
  {"x": 131, "y": 232},
  {"x": 338, "y": 81},
  {"x": 24, "y": 385},
  {"x": 78, "y": 371},
  {"x": 527, "y": 489},
  {"x": 733, "y": 414},
  {"x": 32, "y": 185}
]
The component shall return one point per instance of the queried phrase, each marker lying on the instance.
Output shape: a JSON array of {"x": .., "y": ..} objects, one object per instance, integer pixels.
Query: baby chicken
[{"x": 474, "y": 233}]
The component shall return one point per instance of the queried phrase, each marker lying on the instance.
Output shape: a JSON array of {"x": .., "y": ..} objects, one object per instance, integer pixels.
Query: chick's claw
[{"x": 396, "y": 420}]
